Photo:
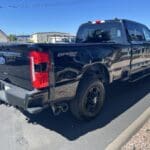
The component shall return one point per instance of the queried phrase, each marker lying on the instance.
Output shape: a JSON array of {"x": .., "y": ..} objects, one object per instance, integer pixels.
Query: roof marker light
[{"x": 98, "y": 21}]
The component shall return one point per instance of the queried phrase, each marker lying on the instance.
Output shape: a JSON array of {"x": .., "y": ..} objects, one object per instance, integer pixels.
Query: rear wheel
[{"x": 89, "y": 99}]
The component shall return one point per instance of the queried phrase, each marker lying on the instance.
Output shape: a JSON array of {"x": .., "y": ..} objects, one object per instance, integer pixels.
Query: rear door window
[
  {"x": 146, "y": 32},
  {"x": 135, "y": 32}
]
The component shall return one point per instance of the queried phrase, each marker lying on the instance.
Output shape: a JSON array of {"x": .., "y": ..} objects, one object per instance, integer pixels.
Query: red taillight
[{"x": 40, "y": 64}]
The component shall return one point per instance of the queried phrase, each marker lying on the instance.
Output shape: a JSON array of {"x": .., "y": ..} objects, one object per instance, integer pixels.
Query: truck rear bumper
[{"x": 31, "y": 101}]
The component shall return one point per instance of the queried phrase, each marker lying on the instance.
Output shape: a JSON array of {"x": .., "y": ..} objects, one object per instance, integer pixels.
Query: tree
[{"x": 12, "y": 37}]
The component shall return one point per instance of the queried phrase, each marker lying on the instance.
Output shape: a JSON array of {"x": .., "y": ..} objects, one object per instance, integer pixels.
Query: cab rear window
[{"x": 104, "y": 32}]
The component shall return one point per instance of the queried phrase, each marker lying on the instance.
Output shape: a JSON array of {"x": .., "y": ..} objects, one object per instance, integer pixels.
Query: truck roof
[{"x": 112, "y": 20}]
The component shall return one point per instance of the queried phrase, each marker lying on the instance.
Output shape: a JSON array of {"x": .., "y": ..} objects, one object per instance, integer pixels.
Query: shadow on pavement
[{"x": 120, "y": 98}]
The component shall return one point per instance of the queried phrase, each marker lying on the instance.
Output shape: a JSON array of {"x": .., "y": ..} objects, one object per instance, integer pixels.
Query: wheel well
[{"x": 99, "y": 71}]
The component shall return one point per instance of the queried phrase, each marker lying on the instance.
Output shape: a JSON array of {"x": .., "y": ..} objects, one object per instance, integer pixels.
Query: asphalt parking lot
[{"x": 124, "y": 104}]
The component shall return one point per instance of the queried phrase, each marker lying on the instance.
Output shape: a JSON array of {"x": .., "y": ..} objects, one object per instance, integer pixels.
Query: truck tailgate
[{"x": 15, "y": 65}]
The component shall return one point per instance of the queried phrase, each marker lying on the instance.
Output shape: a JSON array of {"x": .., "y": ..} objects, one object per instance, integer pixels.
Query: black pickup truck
[{"x": 36, "y": 76}]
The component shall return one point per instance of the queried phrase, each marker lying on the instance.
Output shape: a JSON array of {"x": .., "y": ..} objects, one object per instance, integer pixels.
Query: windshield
[{"x": 104, "y": 32}]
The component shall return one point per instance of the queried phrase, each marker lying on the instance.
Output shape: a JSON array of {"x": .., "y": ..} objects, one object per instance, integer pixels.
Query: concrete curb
[{"x": 126, "y": 135}]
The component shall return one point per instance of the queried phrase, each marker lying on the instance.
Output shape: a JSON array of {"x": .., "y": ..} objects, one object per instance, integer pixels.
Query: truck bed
[{"x": 15, "y": 63}]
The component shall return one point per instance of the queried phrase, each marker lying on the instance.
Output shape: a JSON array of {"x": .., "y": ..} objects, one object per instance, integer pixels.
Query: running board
[{"x": 141, "y": 77}]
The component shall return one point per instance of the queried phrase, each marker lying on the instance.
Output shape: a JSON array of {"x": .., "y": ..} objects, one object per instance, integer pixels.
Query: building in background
[
  {"x": 3, "y": 37},
  {"x": 52, "y": 37},
  {"x": 23, "y": 38}
]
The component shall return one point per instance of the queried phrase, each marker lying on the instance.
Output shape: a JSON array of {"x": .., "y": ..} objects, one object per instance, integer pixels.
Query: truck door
[{"x": 137, "y": 40}]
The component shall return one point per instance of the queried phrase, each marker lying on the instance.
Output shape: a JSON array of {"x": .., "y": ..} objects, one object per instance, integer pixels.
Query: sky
[{"x": 31, "y": 16}]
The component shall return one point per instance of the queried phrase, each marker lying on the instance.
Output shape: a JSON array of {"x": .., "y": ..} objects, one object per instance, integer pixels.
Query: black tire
[{"x": 80, "y": 106}]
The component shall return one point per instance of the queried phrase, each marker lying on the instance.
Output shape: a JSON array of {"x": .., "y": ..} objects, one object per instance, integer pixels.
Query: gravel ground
[{"x": 140, "y": 141}]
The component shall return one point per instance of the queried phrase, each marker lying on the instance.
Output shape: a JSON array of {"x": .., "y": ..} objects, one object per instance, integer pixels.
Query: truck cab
[{"x": 132, "y": 35}]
